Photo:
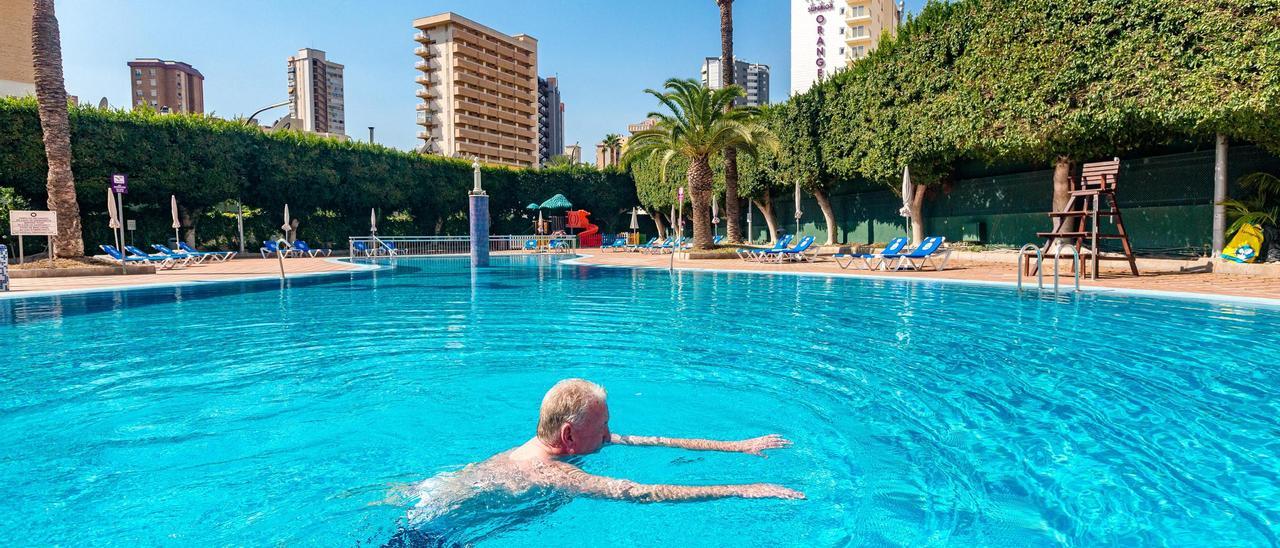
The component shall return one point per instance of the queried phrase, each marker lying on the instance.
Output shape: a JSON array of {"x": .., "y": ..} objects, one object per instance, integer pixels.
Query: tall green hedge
[
  {"x": 1030, "y": 82},
  {"x": 329, "y": 185}
]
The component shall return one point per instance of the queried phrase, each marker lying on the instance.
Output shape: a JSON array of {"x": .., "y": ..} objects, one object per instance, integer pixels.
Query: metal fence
[{"x": 417, "y": 246}]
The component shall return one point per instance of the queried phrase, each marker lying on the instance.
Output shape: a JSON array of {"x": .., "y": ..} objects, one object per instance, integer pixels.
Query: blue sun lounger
[
  {"x": 157, "y": 257},
  {"x": 218, "y": 255},
  {"x": 178, "y": 255},
  {"x": 390, "y": 248},
  {"x": 753, "y": 254},
  {"x": 796, "y": 253},
  {"x": 530, "y": 245},
  {"x": 270, "y": 247},
  {"x": 871, "y": 260},
  {"x": 654, "y": 244},
  {"x": 637, "y": 247},
  {"x": 921, "y": 256},
  {"x": 358, "y": 248},
  {"x": 119, "y": 257},
  {"x": 302, "y": 247}
]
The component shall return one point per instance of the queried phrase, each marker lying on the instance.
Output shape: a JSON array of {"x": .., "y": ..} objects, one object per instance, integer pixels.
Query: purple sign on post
[{"x": 120, "y": 183}]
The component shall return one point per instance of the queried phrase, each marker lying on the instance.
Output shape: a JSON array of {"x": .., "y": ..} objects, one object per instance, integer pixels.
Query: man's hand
[
  {"x": 757, "y": 446},
  {"x": 768, "y": 491}
]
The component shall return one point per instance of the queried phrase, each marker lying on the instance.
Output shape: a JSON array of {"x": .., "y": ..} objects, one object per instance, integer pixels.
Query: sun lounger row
[
  {"x": 929, "y": 253},
  {"x": 298, "y": 248},
  {"x": 165, "y": 257},
  {"x": 654, "y": 246},
  {"x": 780, "y": 252},
  {"x": 554, "y": 246}
]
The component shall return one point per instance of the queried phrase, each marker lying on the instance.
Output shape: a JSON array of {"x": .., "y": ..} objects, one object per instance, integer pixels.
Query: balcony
[
  {"x": 424, "y": 106},
  {"x": 422, "y": 51},
  {"x": 423, "y": 80},
  {"x": 424, "y": 94},
  {"x": 424, "y": 66},
  {"x": 421, "y": 38},
  {"x": 428, "y": 120},
  {"x": 424, "y": 135}
]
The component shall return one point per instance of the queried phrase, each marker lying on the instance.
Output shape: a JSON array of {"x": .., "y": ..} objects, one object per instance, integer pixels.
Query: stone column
[{"x": 479, "y": 209}]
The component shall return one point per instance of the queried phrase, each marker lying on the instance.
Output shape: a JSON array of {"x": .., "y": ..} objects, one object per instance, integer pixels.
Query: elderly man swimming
[{"x": 574, "y": 420}]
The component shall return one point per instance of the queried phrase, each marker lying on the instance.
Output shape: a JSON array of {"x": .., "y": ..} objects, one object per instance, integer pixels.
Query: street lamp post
[{"x": 250, "y": 122}]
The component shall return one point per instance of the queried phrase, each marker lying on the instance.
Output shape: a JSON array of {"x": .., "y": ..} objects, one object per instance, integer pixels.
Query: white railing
[
  {"x": 417, "y": 246},
  {"x": 533, "y": 242}
]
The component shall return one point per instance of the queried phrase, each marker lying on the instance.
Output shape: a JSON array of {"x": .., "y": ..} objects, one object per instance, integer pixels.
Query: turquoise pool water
[{"x": 922, "y": 414}]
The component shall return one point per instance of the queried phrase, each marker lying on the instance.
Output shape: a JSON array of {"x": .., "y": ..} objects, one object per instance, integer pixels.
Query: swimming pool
[{"x": 922, "y": 413}]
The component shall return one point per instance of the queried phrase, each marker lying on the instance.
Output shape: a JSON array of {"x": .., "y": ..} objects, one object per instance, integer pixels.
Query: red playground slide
[{"x": 589, "y": 237}]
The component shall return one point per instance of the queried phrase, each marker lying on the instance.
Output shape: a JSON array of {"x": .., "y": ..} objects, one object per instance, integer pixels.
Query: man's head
[{"x": 574, "y": 417}]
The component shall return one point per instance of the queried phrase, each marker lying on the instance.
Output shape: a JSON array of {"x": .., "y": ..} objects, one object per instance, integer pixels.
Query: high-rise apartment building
[
  {"x": 315, "y": 93},
  {"x": 647, "y": 123},
  {"x": 17, "y": 77},
  {"x": 574, "y": 153},
  {"x": 550, "y": 119},
  {"x": 754, "y": 78},
  {"x": 479, "y": 91},
  {"x": 166, "y": 86},
  {"x": 828, "y": 35}
]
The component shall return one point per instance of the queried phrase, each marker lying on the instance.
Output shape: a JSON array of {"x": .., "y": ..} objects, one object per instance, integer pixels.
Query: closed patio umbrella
[
  {"x": 798, "y": 212},
  {"x": 285, "y": 227},
  {"x": 373, "y": 221},
  {"x": 114, "y": 223},
  {"x": 715, "y": 215},
  {"x": 635, "y": 220},
  {"x": 908, "y": 195},
  {"x": 111, "y": 211},
  {"x": 907, "y": 189},
  {"x": 173, "y": 210}
]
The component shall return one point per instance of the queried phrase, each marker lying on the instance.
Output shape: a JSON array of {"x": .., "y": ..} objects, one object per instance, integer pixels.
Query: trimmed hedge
[{"x": 330, "y": 185}]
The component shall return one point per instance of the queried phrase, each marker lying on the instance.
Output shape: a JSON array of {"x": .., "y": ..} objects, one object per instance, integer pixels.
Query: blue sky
[{"x": 604, "y": 52}]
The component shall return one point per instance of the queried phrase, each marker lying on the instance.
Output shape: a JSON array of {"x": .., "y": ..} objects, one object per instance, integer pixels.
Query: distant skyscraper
[
  {"x": 479, "y": 91},
  {"x": 17, "y": 77},
  {"x": 828, "y": 35},
  {"x": 550, "y": 119},
  {"x": 752, "y": 77},
  {"x": 315, "y": 93},
  {"x": 167, "y": 86}
]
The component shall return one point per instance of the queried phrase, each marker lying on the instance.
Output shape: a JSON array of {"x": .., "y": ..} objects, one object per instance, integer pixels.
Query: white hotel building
[{"x": 828, "y": 35}]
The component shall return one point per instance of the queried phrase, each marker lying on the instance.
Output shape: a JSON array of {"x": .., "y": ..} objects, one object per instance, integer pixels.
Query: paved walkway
[
  {"x": 961, "y": 269},
  {"x": 208, "y": 272}
]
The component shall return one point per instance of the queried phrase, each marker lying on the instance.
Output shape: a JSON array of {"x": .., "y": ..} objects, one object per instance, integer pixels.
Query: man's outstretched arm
[
  {"x": 753, "y": 446},
  {"x": 572, "y": 479}
]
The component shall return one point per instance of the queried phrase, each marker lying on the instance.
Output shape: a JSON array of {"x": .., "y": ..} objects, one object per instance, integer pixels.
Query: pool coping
[
  {"x": 1150, "y": 293},
  {"x": 577, "y": 257},
  {"x": 10, "y": 295}
]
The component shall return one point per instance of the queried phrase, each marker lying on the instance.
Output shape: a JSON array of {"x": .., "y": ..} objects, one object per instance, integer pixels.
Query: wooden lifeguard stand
[{"x": 1079, "y": 222}]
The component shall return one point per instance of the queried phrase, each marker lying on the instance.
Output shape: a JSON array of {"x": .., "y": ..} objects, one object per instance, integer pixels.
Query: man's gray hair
[{"x": 568, "y": 401}]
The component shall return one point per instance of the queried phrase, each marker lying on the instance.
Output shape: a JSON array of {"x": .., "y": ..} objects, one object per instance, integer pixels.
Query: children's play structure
[{"x": 590, "y": 235}]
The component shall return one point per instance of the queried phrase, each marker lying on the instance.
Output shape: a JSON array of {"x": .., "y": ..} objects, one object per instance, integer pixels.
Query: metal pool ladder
[{"x": 1057, "y": 254}]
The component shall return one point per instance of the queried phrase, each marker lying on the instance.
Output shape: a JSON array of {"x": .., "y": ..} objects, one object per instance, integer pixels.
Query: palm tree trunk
[
  {"x": 828, "y": 215},
  {"x": 51, "y": 95},
  {"x": 765, "y": 205},
  {"x": 700, "y": 177},
  {"x": 731, "y": 211}
]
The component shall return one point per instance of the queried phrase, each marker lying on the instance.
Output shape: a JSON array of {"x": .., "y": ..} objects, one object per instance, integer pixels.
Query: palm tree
[
  {"x": 51, "y": 95},
  {"x": 698, "y": 127},
  {"x": 733, "y": 225},
  {"x": 612, "y": 143}
]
